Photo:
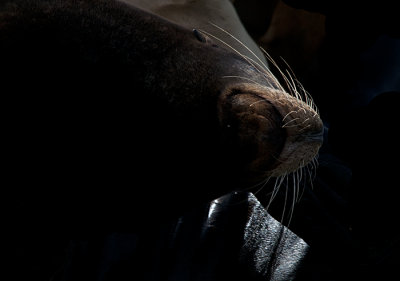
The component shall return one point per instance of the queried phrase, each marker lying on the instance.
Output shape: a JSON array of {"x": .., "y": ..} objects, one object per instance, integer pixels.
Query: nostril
[{"x": 199, "y": 36}]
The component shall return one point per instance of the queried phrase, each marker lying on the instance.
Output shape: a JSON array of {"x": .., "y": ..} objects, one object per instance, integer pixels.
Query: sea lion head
[{"x": 126, "y": 96}]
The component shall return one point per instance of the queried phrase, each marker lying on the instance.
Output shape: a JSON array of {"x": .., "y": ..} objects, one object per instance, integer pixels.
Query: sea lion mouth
[{"x": 271, "y": 132}]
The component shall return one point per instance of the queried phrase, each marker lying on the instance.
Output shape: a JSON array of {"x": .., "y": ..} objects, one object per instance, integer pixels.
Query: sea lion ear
[{"x": 199, "y": 36}]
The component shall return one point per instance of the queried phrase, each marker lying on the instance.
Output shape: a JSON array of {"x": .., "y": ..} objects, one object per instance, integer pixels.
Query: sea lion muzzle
[{"x": 276, "y": 132}]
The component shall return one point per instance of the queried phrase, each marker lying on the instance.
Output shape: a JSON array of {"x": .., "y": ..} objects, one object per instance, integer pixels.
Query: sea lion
[{"x": 100, "y": 94}]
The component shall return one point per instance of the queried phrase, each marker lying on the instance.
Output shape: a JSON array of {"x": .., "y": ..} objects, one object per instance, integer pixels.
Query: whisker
[
  {"x": 293, "y": 111},
  {"x": 241, "y": 43},
  {"x": 291, "y": 81},
  {"x": 304, "y": 183},
  {"x": 260, "y": 68},
  {"x": 275, "y": 189},
  {"x": 269, "y": 75},
  {"x": 314, "y": 163},
  {"x": 293, "y": 86},
  {"x": 284, "y": 205},
  {"x": 296, "y": 185},
  {"x": 264, "y": 184},
  {"x": 294, "y": 119},
  {"x": 305, "y": 120},
  {"x": 245, "y": 78},
  {"x": 292, "y": 126},
  {"x": 226, "y": 44},
  {"x": 307, "y": 97},
  {"x": 301, "y": 180},
  {"x": 268, "y": 56},
  {"x": 290, "y": 69},
  {"x": 295, "y": 189},
  {"x": 256, "y": 102},
  {"x": 295, "y": 179},
  {"x": 249, "y": 60},
  {"x": 309, "y": 171},
  {"x": 302, "y": 129}
]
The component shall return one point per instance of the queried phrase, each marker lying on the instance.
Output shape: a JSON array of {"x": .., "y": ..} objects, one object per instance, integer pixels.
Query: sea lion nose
[{"x": 271, "y": 132}]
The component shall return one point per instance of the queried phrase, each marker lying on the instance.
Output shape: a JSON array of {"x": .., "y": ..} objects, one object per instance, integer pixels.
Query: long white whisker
[
  {"x": 304, "y": 183},
  {"x": 245, "y": 78},
  {"x": 291, "y": 81},
  {"x": 290, "y": 69},
  {"x": 305, "y": 120},
  {"x": 293, "y": 87},
  {"x": 249, "y": 60},
  {"x": 315, "y": 166},
  {"x": 275, "y": 189},
  {"x": 268, "y": 56},
  {"x": 302, "y": 129},
  {"x": 293, "y": 78},
  {"x": 292, "y": 126},
  {"x": 309, "y": 170},
  {"x": 266, "y": 72},
  {"x": 293, "y": 111},
  {"x": 263, "y": 185},
  {"x": 295, "y": 190},
  {"x": 290, "y": 121},
  {"x": 299, "y": 177},
  {"x": 307, "y": 97},
  {"x": 241, "y": 43},
  {"x": 260, "y": 69},
  {"x": 284, "y": 205},
  {"x": 294, "y": 184}
]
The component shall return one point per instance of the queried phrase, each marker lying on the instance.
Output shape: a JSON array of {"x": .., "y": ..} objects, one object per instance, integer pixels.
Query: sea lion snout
[{"x": 271, "y": 132}]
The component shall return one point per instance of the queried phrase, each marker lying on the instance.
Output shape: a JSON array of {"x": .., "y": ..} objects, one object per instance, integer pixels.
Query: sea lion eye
[{"x": 199, "y": 36}]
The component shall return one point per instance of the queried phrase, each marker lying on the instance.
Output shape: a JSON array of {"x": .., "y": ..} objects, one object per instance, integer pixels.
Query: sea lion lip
[{"x": 251, "y": 93}]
